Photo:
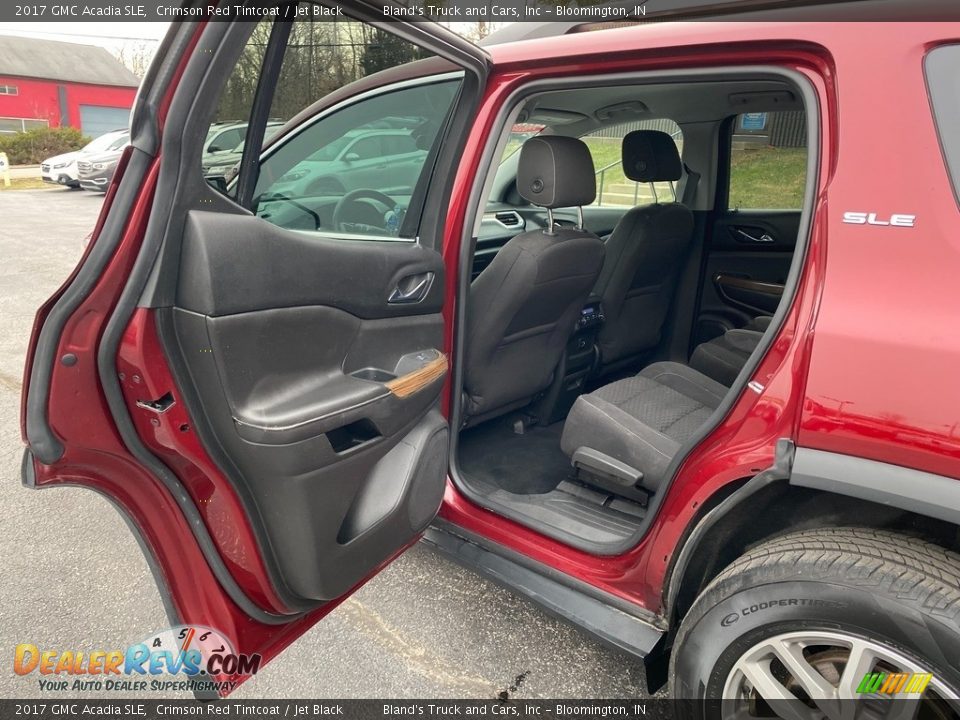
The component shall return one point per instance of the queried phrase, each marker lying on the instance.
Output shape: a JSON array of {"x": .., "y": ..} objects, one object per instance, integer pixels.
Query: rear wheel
[{"x": 793, "y": 627}]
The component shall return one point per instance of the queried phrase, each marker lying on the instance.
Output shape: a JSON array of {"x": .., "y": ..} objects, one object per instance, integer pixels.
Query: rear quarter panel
[{"x": 883, "y": 382}]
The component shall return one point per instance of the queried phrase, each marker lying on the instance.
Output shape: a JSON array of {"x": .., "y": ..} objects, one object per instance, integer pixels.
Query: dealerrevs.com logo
[{"x": 184, "y": 657}]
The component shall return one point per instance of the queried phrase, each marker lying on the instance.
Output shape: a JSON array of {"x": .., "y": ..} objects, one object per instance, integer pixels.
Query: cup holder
[{"x": 373, "y": 375}]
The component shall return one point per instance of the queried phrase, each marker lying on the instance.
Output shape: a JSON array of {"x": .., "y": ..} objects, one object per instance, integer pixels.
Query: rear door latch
[{"x": 159, "y": 406}]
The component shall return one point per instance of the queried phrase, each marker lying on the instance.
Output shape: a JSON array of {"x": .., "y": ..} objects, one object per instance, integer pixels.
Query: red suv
[{"x": 655, "y": 329}]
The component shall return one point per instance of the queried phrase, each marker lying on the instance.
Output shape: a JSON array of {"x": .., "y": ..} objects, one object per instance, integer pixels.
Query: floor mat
[{"x": 528, "y": 464}]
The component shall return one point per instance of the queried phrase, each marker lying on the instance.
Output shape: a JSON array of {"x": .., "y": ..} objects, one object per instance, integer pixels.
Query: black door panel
[
  {"x": 286, "y": 268},
  {"x": 762, "y": 230},
  {"x": 745, "y": 245},
  {"x": 320, "y": 390},
  {"x": 312, "y": 385}
]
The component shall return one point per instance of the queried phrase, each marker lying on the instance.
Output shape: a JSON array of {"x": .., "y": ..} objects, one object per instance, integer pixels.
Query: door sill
[{"x": 609, "y": 624}]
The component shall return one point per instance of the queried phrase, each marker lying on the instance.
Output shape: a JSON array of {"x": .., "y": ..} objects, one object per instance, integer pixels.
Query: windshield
[
  {"x": 119, "y": 142},
  {"x": 519, "y": 134},
  {"x": 106, "y": 142}
]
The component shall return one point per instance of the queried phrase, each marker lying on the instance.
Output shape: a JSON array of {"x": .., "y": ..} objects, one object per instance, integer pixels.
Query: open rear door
[{"x": 250, "y": 361}]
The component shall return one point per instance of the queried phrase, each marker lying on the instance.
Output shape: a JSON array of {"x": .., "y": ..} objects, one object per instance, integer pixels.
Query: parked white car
[{"x": 62, "y": 169}]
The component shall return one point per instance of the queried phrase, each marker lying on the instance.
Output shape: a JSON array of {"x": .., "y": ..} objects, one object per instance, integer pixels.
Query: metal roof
[{"x": 62, "y": 61}]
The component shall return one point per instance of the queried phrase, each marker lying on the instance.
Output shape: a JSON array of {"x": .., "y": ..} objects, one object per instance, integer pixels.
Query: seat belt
[{"x": 690, "y": 186}]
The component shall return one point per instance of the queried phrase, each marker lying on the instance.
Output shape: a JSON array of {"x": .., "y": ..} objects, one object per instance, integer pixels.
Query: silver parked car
[{"x": 358, "y": 159}]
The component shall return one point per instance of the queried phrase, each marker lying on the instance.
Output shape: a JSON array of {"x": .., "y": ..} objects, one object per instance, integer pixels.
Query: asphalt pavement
[{"x": 74, "y": 578}]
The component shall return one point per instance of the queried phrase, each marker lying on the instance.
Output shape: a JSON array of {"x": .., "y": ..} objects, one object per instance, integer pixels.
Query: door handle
[
  {"x": 764, "y": 238},
  {"x": 411, "y": 289}
]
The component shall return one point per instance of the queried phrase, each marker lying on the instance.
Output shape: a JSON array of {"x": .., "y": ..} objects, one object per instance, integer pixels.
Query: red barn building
[{"x": 59, "y": 84}]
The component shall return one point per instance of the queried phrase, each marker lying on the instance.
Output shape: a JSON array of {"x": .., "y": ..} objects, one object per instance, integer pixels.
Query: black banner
[
  {"x": 327, "y": 709},
  {"x": 503, "y": 11},
  {"x": 69, "y": 709}
]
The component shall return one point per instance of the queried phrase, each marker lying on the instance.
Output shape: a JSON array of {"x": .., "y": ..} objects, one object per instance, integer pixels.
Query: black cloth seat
[
  {"x": 644, "y": 254},
  {"x": 724, "y": 357},
  {"x": 524, "y": 305},
  {"x": 641, "y": 422}
]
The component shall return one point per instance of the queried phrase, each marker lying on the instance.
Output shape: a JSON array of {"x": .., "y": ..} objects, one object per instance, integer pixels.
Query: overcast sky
[
  {"x": 133, "y": 43},
  {"x": 93, "y": 33},
  {"x": 127, "y": 40},
  {"x": 112, "y": 34}
]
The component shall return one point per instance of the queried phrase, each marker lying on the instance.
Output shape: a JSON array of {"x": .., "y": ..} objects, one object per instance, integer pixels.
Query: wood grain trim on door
[
  {"x": 410, "y": 383},
  {"x": 759, "y": 286}
]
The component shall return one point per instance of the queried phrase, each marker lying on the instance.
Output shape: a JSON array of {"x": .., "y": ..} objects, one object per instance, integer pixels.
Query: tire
[{"x": 821, "y": 593}]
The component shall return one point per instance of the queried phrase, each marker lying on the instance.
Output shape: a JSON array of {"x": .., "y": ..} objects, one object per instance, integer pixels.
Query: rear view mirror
[{"x": 350, "y": 157}]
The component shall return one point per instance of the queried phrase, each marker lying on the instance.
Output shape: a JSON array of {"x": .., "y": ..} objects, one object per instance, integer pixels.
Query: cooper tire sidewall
[{"x": 707, "y": 651}]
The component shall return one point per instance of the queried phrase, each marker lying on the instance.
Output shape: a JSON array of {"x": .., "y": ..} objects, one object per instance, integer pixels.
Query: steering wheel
[{"x": 350, "y": 199}]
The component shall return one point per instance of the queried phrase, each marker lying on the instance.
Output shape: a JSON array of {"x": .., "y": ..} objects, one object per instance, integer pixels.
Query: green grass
[
  {"x": 606, "y": 151},
  {"x": 24, "y": 184},
  {"x": 760, "y": 177},
  {"x": 768, "y": 178}
]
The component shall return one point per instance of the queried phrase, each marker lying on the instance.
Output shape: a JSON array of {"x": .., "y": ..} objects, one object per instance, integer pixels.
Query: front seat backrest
[
  {"x": 524, "y": 305},
  {"x": 644, "y": 254}
]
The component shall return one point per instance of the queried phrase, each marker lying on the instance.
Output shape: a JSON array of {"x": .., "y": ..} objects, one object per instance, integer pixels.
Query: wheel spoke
[
  {"x": 861, "y": 661},
  {"x": 780, "y": 700},
  {"x": 813, "y": 683}
]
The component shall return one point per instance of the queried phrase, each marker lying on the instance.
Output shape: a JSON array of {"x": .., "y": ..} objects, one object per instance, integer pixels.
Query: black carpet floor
[{"x": 528, "y": 464}]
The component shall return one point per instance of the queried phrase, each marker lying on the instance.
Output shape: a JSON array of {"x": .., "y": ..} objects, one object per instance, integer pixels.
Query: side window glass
[
  {"x": 226, "y": 140},
  {"x": 366, "y": 148},
  {"x": 941, "y": 71},
  {"x": 768, "y": 161},
  {"x": 340, "y": 173},
  {"x": 342, "y": 168},
  {"x": 398, "y": 144},
  {"x": 614, "y": 188}
]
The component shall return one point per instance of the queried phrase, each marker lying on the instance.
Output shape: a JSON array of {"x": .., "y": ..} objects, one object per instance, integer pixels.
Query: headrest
[
  {"x": 556, "y": 172},
  {"x": 651, "y": 156}
]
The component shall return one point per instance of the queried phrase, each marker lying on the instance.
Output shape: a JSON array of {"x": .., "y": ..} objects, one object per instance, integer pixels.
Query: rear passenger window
[
  {"x": 614, "y": 189},
  {"x": 943, "y": 83},
  {"x": 768, "y": 161}
]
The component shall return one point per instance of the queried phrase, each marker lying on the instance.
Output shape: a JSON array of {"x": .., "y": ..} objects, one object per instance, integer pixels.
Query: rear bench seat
[
  {"x": 623, "y": 436},
  {"x": 723, "y": 357}
]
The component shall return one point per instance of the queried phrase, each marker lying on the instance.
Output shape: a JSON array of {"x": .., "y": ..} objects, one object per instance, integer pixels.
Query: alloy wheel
[{"x": 816, "y": 674}]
